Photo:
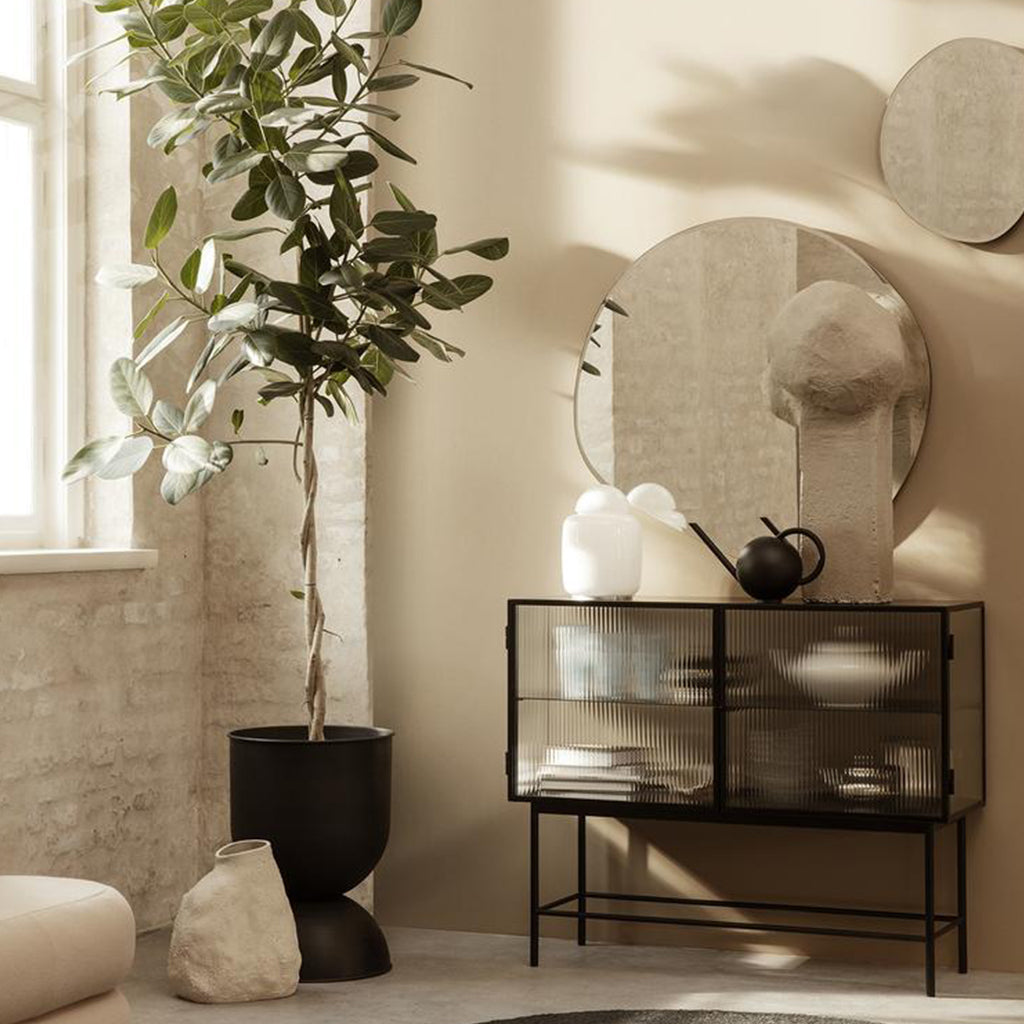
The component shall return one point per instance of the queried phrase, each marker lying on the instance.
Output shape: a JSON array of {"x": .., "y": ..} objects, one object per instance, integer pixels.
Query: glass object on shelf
[
  {"x": 821, "y": 760},
  {"x": 597, "y": 652},
  {"x": 17, "y": 272},
  {"x": 17, "y": 41},
  {"x": 833, "y": 659}
]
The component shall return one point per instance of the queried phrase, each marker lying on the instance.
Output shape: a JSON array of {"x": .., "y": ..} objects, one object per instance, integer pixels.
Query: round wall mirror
[
  {"x": 673, "y": 392},
  {"x": 952, "y": 140}
]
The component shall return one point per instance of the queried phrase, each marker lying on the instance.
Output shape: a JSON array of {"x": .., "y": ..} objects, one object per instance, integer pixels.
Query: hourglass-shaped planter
[{"x": 326, "y": 809}]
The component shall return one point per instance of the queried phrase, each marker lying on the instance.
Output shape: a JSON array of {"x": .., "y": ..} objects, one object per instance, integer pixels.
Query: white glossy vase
[
  {"x": 234, "y": 938},
  {"x": 602, "y": 549}
]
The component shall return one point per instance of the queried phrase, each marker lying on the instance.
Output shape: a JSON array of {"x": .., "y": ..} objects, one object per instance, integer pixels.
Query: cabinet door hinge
[
  {"x": 508, "y": 762},
  {"x": 508, "y": 638},
  {"x": 951, "y": 782},
  {"x": 950, "y": 647}
]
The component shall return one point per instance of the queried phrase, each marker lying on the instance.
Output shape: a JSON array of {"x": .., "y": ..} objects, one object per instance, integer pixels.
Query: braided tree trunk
[{"x": 316, "y": 696}]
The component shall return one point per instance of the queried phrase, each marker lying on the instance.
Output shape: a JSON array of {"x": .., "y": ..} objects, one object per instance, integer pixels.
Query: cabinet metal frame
[{"x": 933, "y": 924}]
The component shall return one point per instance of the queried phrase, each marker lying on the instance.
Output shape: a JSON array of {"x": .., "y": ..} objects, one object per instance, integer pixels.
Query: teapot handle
[{"x": 816, "y": 541}]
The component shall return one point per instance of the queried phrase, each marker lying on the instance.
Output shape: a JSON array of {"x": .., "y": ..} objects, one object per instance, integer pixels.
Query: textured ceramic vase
[{"x": 234, "y": 938}]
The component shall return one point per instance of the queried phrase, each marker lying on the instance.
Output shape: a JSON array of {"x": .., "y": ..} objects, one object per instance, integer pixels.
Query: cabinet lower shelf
[{"x": 578, "y": 906}]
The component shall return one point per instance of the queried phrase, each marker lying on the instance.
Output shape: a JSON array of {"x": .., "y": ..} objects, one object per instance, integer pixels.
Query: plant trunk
[{"x": 316, "y": 697}]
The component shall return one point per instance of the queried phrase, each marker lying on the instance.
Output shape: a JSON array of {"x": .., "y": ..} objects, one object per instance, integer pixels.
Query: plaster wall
[
  {"x": 595, "y": 130},
  {"x": 117, "y": 688}
]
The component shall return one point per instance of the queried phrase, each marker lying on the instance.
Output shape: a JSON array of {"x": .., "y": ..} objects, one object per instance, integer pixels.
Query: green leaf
[
  {"x": 387, "y": 145},
  {"x": 129, "y": 458},
  {"x": 299, "y": 595},
  {"x": 401, "y": 198},
  {"x": 336, "y": 8},
  {"x": 130, "y": 388},
  {"x": 126, "y": 275},
  {"x": 207, "y": 265},
  {"x": 175, "y": 487},
  {"x": 166, "y": 337},
  {"x": 352, "y": 55},
  {"x": 303, "y": 301},
  {"x": 168, "y": 418},
  {"x": 169, "y": 127},
  {"x": 200, "y": 405},
  {"x": 162, "y": 218},
  {"x": 190, "y": 269},
  {"x": 388, "y": 83},
  {"x": 238, "y": 163},
  {"x": 154, "y": 311},
  {"x": 90, "y": 458},
  {"x": 434, "y": 71},
  {"x": 280, "y": 389},
  {"x": 240, "y": 10},
  {"x": 286, "y": 197},
  {"x": 189, "y": 454},
  {"x": 590, "y": 368},
  {"x": 488, "y": 248},
  {"x": 433, "y": 345},
  {"x": 288, "y": 116},
  {"x": 232, "y": 317},
  {"x": 403, "y": 222},
  {"x": 274, "y": 43},
  {"x": 237, "y": 419},
  {"x": 614, "y": 307},
  {"x": 400, "y": 15},
  {"x": 391, "y": 343},
  {"x": 315, "y": 157},
  {"x": 457, "y": 292},
  {"x": 253, "y": 204},
  {"x": 206, "y": 15},
  {"x": 238, "y": 234}
]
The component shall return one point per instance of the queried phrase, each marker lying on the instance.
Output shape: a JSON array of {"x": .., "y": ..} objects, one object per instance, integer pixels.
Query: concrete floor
[{"x": 459, "y": 978}]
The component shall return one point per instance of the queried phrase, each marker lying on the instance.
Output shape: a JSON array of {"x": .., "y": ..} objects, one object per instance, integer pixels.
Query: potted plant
[{"x": 289, "y": 100}]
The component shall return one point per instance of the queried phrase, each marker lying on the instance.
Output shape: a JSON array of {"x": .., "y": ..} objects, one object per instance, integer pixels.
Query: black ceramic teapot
[{"x": 769, "y": 568}]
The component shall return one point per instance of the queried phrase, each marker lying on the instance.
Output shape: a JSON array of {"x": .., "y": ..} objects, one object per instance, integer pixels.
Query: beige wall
[{"x": 596, "y": 129}]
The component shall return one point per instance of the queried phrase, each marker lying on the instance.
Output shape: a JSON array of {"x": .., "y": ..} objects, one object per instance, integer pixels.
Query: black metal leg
[
  {"x": 929, "y": 911},
  {"x": 581, "y": 880},
  {"x": 534, "y": 885},
  {"x": 961, "y": 893}
]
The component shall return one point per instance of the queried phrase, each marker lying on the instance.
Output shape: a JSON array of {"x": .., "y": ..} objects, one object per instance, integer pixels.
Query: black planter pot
[{"x": 326, "y": 809}]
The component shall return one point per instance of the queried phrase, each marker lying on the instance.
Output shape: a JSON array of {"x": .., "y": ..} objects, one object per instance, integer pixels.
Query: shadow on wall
[{"x": 810, "y": 127}]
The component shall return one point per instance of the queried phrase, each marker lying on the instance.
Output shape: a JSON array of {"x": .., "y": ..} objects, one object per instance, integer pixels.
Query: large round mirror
[
  {"x": 952, "y": 140},
  {"x": 673, "y": 392}
]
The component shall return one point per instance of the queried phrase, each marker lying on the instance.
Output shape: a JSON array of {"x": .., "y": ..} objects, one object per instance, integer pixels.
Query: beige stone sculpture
[
  {"x": 234, "y": 938},
  {"x": 838, "y": 366}
]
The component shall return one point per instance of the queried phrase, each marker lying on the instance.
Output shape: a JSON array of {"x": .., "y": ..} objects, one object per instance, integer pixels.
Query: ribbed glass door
[
  {"x": 614, "y": 703},
  {"x": 833, "y": 711}
]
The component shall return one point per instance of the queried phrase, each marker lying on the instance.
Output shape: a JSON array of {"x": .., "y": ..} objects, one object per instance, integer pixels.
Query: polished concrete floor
[{"x": 458, "y": 978}]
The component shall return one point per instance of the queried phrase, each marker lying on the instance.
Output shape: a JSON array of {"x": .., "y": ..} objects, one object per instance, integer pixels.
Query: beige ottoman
[{"x": 65, "y": 945}]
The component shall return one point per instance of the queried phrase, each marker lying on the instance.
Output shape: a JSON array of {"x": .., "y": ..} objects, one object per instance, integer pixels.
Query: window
[{"x": 35, "y": 434}]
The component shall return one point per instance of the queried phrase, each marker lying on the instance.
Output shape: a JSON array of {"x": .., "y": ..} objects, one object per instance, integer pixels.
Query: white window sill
[{"x": 16, "y": 563}]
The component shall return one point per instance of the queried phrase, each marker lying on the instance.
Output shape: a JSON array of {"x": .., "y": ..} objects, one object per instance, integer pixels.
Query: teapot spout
[{"x": 713, "y": 548}]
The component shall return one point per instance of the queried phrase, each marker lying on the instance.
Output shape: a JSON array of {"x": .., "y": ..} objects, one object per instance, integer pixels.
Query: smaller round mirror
[{"x": 952, "y": 140}]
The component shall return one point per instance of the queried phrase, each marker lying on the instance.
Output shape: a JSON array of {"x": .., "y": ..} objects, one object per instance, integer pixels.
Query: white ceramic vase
[{"x": 234, "y": 938}]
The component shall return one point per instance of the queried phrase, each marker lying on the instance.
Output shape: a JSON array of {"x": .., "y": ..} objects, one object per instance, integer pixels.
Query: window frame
[{"x": 53, "y": 106}]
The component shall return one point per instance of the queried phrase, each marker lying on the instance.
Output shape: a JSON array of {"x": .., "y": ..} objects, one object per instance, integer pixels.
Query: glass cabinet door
[
  {"x": 614, "y": 703},
  {"x": 834, "y": 711}
]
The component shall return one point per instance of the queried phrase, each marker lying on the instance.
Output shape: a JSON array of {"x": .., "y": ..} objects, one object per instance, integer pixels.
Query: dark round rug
[{"x": 674, "y": 1017}]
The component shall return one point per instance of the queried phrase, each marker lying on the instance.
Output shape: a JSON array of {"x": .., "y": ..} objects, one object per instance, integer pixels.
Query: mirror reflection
[{"x": 679, "y": 396}]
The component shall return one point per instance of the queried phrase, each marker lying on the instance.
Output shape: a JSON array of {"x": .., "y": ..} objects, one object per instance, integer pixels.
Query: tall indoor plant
[
  {"x": 287, "y": 104},
  {"x": 283, "y": 103}
]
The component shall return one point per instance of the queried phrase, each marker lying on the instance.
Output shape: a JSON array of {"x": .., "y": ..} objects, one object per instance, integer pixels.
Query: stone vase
[{"x": 234, "y": 938}]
